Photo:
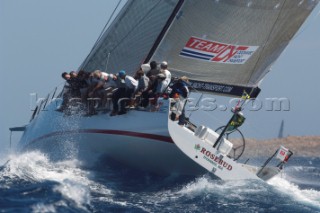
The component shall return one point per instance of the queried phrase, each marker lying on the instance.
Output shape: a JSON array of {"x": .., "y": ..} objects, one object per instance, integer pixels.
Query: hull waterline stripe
[{"x": 108, "y": 132}]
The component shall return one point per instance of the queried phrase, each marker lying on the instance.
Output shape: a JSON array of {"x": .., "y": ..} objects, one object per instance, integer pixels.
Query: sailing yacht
[{"x": 225, "y": 47}]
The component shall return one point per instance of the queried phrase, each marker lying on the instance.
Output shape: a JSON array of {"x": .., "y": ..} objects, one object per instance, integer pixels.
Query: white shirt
[
  {"x": 168, "y": 76},
  {"x": 104, "y": 76},
  {"x": 106, "y": 80},
  {"x": 131, "y": 83}
]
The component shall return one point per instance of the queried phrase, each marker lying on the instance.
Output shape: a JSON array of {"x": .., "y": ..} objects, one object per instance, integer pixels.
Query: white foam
[
  {"x": 40, "y": 207},
  {"x": 309, "y": 196},
  {"x": 73, "y": 183},
  {"x": 75, "y": 191},
  {"x": 235, "y": 188},
  {"x": 241, "y": 189}
]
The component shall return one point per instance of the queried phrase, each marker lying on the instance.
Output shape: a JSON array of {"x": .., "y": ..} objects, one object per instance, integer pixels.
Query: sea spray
[
  {"x": 31, "y": 182},
  {"x": 65, "y": 178},
  {"x": 309, "y": 196}
]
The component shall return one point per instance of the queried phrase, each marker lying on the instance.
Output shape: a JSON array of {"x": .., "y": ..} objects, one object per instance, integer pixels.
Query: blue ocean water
[{"x": 30, "y": 182}]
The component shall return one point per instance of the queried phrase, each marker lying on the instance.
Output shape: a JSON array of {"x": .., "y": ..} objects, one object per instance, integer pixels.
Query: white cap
[
  {"x": 164, "y": 64},
  {"x": 145, "y": 67}
]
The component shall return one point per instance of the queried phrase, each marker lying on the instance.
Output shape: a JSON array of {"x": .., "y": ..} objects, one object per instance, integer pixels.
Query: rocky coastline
[{"x": 303, "y": 146}]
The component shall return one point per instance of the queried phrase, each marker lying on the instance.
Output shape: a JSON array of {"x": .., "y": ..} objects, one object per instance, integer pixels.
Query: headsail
[
  {"x": 223, "y": 46},
  {"x": 131, "y": 36}
]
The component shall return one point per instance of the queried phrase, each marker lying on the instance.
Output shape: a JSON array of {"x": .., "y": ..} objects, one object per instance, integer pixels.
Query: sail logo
[{"x": 218, "y": 52}]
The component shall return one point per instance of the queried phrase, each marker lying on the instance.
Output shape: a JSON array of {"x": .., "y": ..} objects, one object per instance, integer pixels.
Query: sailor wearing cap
[
  {"x": 131, "y": 83},
  {"x": 143, "y": 80},
  {"x": 123, "y": 94},
  {"x": 180, "y": 93},
  {"x": 164, "y": 78}
]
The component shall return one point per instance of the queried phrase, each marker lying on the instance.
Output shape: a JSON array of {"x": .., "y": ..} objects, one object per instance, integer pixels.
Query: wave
[
  {"x": 32, "y": 180},
  {"x": 206, "y": 194},
  {"x": 306, "y": 177},
  {"x": 306, "y": 196},
  {"x": 33, "y": 174}
]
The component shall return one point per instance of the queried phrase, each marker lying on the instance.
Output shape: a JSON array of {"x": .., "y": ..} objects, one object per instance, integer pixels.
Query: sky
[{"x": 40, "y": 39}]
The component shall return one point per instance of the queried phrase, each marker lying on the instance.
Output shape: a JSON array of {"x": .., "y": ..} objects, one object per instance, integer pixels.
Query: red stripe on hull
[{"x": 108, "y": 132}]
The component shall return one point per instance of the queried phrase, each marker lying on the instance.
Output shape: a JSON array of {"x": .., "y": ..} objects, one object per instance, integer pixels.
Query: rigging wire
[
  {"x": 219, "y": 121},
  {"x": 107, "y": 24},
  {"x": 135, "y": 26},
  {"x": 106, "y": 69},
  {"x": 129, "y": 32},
  {"x": 102, "y": 32}
]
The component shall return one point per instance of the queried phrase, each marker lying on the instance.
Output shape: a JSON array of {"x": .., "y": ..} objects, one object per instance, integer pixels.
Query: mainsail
[{"x": 223, "y": 46}]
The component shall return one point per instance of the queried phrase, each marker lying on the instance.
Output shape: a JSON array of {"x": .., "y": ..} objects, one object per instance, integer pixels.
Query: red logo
[{"x": 217, "y": 52}]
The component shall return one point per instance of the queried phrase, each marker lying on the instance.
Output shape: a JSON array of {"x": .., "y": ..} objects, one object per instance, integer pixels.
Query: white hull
[
  {"x": 205, "y": 147},
  {"x": 208, "y": 157},
  {"x": 138, "y": 139}
]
